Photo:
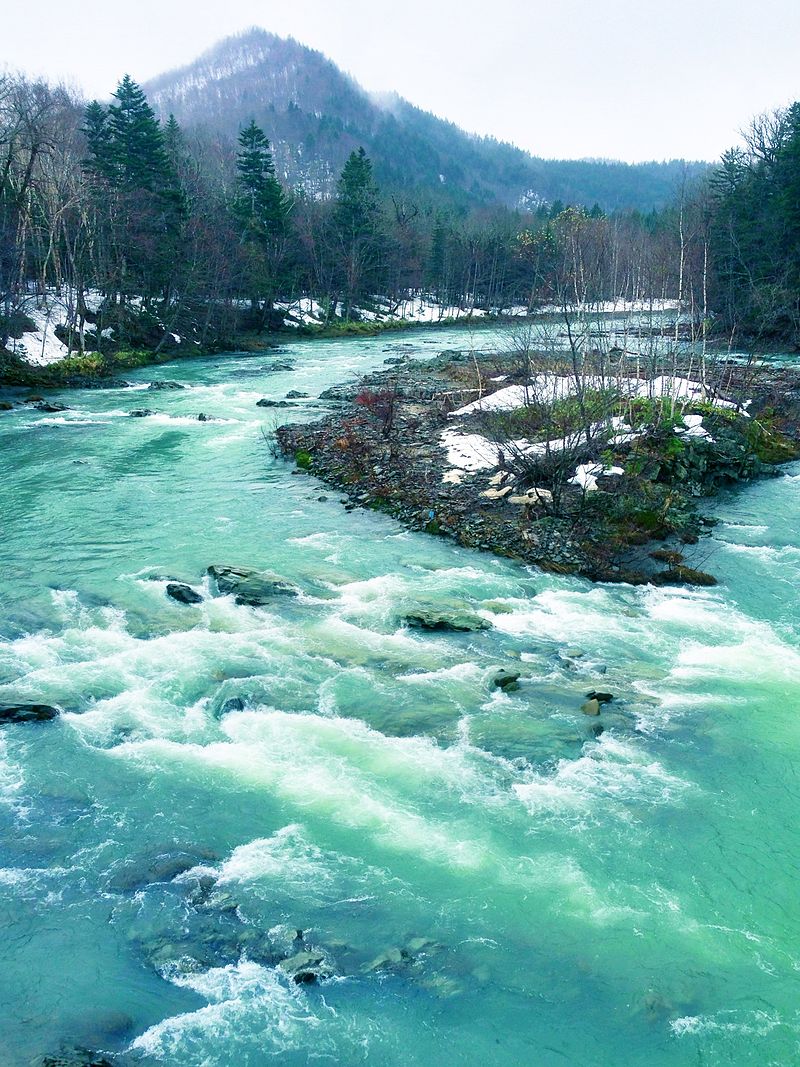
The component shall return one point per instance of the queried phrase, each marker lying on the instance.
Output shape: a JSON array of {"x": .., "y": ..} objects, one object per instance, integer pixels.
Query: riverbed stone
[
  {"x": 506, "y": 680},
  {"x": 591, "y": 707},
  {"x": 11, "y": 713},
  {"x": 141, "y": 413},
  {"x": 391, "y": 958},
  {"x": 306, "y": 967},
  {"x": 600, "y": 697},
  {"x": 453, "y": 620},
  {"x": 249, "y": 586},
  {"x": 184, "y": 594},
  {"x": 50, "y": 407},
  {"x": 166, "y": 384},
  {"x": 76, "y": 1057}
]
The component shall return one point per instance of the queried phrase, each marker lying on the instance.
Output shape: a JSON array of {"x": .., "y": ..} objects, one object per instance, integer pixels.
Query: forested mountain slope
[{"x": 315, "y": 115}]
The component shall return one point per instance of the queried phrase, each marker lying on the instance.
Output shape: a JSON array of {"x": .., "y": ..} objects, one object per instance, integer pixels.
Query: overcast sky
[{"x": 629, "y": 79}]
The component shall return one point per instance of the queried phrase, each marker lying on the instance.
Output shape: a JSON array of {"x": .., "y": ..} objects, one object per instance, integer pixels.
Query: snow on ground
[
  {"x": 305, "y": 310},
  {"x": 469, "y": 451},
  {"x": 586, "y": 475},
  {"x": 41, "y": 346},
  {"x": 547, "y": 388},
  {"x": 693, "y": 427},
  {"x": 474, "y": 452},
  {"x": 419, "y": 308}
]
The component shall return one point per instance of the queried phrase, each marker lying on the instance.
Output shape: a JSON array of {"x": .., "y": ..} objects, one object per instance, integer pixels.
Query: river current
[{"x": 489, "y": 879}]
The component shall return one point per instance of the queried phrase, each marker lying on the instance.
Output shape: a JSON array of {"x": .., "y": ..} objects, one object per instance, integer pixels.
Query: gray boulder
[
  {"x": 10, "y": 713},
  {"x": 184, "y": 594},
  {"x": 507, "y": 680},
  {"x": 454, "y": 620},
  {"x": 166, "y": 385},
  {"x": 306, "y": 967},
  {"x": 250, "y": 586}
]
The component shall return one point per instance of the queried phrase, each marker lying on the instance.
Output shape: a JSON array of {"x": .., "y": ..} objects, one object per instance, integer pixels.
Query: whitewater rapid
[{"x": 560, "y": 894}]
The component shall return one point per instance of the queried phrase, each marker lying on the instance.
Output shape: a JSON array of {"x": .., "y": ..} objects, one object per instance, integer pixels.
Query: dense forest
[{"x": 153, "y": 237}]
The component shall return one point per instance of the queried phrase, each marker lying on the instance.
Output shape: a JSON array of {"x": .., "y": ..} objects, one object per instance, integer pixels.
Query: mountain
[{"x": 315, "y": 115}]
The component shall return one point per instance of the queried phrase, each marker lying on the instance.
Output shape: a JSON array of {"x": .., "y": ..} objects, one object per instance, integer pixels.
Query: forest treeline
[{"x": 189, "y": 236}]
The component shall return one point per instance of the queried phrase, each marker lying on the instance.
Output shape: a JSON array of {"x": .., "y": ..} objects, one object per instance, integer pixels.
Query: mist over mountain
[{"x": 315, "y": 115}]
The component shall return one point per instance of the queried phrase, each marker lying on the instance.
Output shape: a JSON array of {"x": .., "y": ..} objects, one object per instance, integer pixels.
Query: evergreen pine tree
[
  {"x": 260, "y": 205},
  {"x": 357, "y": 197},
  {"x": 138, "y": 155},
  {"x": 98, "y": 140},
  {"x": 358, "y": 225}
]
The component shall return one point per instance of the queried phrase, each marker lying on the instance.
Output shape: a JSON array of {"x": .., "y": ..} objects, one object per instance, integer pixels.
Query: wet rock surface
[
  {"x": 249, "y": 586},
  {"x": 184, "y": 594},
  {"x": 13, "y": 713}
]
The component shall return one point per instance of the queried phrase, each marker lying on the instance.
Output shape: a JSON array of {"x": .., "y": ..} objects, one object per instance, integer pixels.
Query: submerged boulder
[
  {"x": 448, "y": 619},
  {"x": 507, "y": 680},
  {"x": 10, "y": 713},
  {"x": 591, "y": 706},
  {"x": 306, "y": 967},
  {"x": 51, "y": 406},
  {"x": 250, "y": 586},
  {"x": 141, "y": 413},
  {"x": 184, "y": 594},
  {"x": 601, "y": 698},
  {"x": 76, "y": 1057},
  {"x": 166, "y": 385}
]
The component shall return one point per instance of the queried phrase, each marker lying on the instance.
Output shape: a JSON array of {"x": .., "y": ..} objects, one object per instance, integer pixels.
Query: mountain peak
[{"x": 315, "y": 115}]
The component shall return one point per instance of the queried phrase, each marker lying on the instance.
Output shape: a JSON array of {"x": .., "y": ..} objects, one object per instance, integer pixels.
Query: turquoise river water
[{"x": 561, "y": 897}]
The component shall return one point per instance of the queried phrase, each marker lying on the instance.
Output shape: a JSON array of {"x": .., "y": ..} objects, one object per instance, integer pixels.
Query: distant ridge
[{"x": 315, "y": 114}]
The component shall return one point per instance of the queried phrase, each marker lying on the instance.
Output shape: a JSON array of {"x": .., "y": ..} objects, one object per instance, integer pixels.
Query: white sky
[{"x": 628, "y": 79}]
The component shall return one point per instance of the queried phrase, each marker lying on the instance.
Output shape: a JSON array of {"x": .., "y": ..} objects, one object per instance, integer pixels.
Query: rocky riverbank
[{"x": 423, "y": 441}]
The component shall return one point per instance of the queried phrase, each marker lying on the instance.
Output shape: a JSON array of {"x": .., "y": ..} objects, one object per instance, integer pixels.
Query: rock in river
[
  {"x": 184, "y": 594},
  {"x": 166, "y": 385},
  {"x": 26, "y": 713},
  {"x": 306, "y": 967},
  {"x": 455, "y": 620},
  {"x": 504, "y": 679},
  {"x": 250, "y": 586}
]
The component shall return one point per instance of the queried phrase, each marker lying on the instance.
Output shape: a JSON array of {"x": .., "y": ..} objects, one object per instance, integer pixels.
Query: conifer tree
[
  {"x": 260, "y": 205},
  {"x": 358, "y": 224},
  {"x": 262, "y": 212}
]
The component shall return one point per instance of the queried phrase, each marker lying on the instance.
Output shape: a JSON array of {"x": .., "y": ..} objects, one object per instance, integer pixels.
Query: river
[{"x": 489, "y": 879}]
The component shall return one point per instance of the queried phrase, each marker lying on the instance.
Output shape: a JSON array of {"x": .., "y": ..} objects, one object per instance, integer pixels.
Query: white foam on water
[
  {"x": 754, "y": 1023},
  {"x": 288, "y": 855},
  {"x": 341, "y": 770},
  {"x": 249, "y": 1005},
  {"x": 614, "y": 778}
]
